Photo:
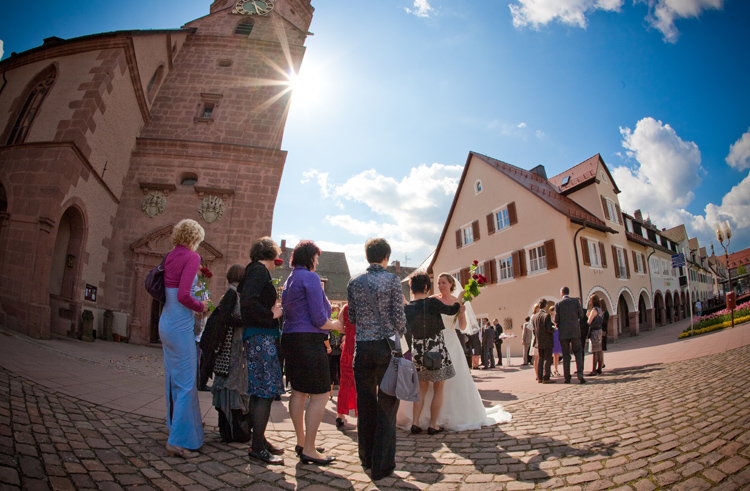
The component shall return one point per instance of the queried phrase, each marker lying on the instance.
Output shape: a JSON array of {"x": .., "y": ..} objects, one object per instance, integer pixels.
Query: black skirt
[{"x": 306, "y": 362}]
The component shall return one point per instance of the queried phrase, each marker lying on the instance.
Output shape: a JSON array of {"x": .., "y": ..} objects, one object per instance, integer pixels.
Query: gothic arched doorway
[{"x": 65, "y": 271}]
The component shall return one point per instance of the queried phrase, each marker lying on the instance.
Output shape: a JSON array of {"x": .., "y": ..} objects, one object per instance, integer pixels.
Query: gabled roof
[
  {"x": 332, "y": 269},
  {"x": 676, "y": 234},
  {"x": 693, "y": 244},
  {"x": 537, "y": 186},
  {"x": 581, "y": 176}
]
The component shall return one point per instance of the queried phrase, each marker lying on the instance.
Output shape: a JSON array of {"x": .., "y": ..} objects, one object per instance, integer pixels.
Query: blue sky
[{"x": 394, "y": 94}]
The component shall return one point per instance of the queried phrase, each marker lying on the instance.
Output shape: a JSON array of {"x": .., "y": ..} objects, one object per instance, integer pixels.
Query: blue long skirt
[{"x": 180, "y": 362}]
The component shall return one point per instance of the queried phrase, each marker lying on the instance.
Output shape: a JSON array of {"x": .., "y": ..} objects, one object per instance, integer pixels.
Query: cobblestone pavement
[{"x": 683, "y": 425}]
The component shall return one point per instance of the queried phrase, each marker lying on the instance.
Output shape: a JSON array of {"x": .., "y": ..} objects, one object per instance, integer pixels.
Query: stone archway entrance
[
  {"x": 669, "y": 312},
  {"x": 149, "y": 251},
  {"x": 65, "y": 272},
  {"x": 659, "y": 313},
  {"x": 623, "y": 315}
]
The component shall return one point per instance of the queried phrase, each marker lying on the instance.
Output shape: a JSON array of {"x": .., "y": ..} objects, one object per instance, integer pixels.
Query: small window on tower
[
  {"x": 244, "y": 28},
  {"x": 225, "y": 63},
  {"x": 208, "y": 109}
]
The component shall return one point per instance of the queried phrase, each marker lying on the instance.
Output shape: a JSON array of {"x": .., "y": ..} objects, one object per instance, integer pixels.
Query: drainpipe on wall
[{"x": 578, "y": 264}]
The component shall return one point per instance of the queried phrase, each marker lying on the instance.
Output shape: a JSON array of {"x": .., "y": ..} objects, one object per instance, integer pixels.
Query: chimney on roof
[
  {"x": 397, "y": 266},
  {"x": 283, "y": 246},
  {"x": 638, "y": 215},
  {"x": 539, "y": 170}
]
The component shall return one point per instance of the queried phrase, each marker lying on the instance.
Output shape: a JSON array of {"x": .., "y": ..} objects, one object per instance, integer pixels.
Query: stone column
[
  {"x": 649, "y": 325},
  {"x": 87, "y": 326},
  {"x": 612, "y": 327},
  {"x": 663, "y": 311},
  {"x": 634, "y": 327}
]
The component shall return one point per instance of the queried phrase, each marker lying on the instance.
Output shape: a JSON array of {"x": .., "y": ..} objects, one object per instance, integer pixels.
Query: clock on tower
[{"x": 253, "y": 7}]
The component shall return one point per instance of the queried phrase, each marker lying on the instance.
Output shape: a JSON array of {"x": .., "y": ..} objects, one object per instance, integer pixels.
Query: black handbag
[{"x": 155, "y": 282}]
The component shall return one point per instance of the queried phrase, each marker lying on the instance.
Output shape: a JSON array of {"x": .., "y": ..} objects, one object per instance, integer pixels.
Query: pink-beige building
[
  {"x": 532, "y": 235},
  {"x": 108, "y": 140}
]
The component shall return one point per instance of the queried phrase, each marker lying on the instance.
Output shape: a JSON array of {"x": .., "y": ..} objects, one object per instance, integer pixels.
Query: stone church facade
[{"x": 108, "y": 140}]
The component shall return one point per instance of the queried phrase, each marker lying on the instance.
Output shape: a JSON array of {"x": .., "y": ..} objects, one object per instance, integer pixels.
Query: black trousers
[
  {"x": 545, "y": 363},
  {"x": 376, "y": 411},
  {"x": 488, "y": 359},
  {"x": 499, "y": 348},
  {"x": 575, "y": 347}
]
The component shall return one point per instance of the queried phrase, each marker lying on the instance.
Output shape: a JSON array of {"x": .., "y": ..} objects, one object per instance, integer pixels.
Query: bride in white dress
[{"x": 462, "y": 407}]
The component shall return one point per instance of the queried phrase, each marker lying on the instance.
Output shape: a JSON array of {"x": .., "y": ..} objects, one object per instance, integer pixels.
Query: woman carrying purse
[{"x": 423, "y": 319}]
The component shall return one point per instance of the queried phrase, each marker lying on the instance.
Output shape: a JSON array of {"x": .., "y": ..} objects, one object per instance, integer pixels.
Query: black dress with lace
[{"x": 423, "y": 318}]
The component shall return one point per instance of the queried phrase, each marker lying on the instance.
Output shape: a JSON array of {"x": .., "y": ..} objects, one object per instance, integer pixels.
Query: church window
[
  {"x": 244, "y": 28},
  {"x": 209, "y": 103},
  {"x": 189, "y": 179},
  {"x": 31, "y": 107},
  {"x": 208, "y": 109}
]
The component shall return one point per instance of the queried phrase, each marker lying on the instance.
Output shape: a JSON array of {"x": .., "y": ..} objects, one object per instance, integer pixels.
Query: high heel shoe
[
  {"x": 415, "y": 430},
  {"x": 339, "y": 423},
  {"x": 298, "y": 449},
  {"x": 173, "y": 451},
  {"x": 433, "y": 431},
  {"x": 310, "y": 460}
]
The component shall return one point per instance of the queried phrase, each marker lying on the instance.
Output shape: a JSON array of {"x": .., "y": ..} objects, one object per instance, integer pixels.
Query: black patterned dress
[{"x": 423, "y": 318}]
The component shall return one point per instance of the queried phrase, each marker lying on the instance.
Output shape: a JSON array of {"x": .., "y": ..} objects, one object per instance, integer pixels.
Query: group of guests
[
  {"x": 252, "y": 314},
  {"x": 562, "y": 329},
  {"x": 261, "y": 333}
]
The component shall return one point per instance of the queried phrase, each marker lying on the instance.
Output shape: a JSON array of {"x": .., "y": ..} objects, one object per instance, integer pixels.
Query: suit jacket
[
  {"x": 568, "y": 313},
  {"x": 498, "y": 332},
  {"x": 543, "y": 329},
  {"x": 488, "y": 335},
  {"x": 527, "y": 333}
]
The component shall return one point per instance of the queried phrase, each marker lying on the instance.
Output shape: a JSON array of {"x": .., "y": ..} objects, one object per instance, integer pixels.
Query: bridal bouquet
[
  {"x": 205, "y": 274},
  {"x": 476, "y": 281},
  {"x": 471, "y": 289}
]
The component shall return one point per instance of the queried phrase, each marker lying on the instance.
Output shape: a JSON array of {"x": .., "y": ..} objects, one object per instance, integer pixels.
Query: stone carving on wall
[
  {"x": 154, "y": 204},
  {"x": 211, "y": 208}
]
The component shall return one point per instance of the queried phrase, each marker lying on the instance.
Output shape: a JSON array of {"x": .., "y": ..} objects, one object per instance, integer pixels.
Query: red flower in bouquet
[
  {"x": 278, "y": 261},
  {"x": 204, "y": 274}
]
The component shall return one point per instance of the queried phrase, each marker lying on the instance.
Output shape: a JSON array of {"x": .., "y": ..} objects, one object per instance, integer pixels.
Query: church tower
[{"x": 210, "y": 149}]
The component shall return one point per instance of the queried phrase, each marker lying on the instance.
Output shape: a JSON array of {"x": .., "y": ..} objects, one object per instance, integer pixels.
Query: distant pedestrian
[
  {"x": 698, "y": 308},
  {"x": 347, "y": 396},
  {"x": 543, "y": 330},
  {"x": 488, "y": 341},
  {"x": 498, "y": 342},
  {"x": 594, "y": 318},
  {"x": 556, "y": 348},
  {"x": 605, "y": 326},
  {"x": 526, "y": 337}
]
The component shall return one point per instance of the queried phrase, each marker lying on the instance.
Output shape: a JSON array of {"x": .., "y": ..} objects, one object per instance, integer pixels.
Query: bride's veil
[{"x": 472, "y": 324}]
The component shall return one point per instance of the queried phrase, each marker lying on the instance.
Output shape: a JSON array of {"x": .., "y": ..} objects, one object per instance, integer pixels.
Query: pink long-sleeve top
[{"x": 180, "y": 269}]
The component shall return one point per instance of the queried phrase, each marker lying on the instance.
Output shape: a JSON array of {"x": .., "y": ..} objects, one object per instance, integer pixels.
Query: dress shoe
[
  {"x": 549, "y": 381},
  {"x": 567, "y": 380},
  {"x": 433, "y": 431},
  {"x": 173, "y": 451},
  {"x": 273, "y": 450},
  {"x": 309, "y": 460},
  {"x": 204, "y": 388},
  {"x": 592, "y": 374},
  {"x": 298, "y": 449},
  {"x": 339, "y": 423},
  {"x": 581, "y": 380},
  {"x": 415, "y": 430},
  {"x": 539, "y": 380},
  {"x": 266, "y": 457},
  {"x": 382, "y": 475}
]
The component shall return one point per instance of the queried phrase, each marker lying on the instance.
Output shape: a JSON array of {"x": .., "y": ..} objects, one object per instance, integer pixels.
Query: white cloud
[
  {"x": 2, "y": 50},
  {"x": 522, "y": 125},
  {"x": 322, "y": 180},
  {"x": 663, "y": 181},
  {"x": 663, "y": 13},
  {"x": 410, "y": 212},
  {"x": 536, "y": 13},
  {"x": 422, "y": 8},
  {"x": 739, "y": 153}
]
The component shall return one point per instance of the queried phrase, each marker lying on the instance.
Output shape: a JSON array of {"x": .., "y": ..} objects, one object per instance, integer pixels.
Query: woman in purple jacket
[{"x": 307, "y": 321}]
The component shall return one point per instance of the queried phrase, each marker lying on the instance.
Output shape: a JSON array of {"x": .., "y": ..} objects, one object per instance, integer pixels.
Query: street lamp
[{"x": 724, "y": 230}]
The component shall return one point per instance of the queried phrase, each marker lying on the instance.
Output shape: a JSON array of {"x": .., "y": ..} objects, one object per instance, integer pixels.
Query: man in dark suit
[
  {"x": 543, "y": 330},
  {"x": 488, "y": 338},
  {"x": 568, "y": 313},
  {"x": 498, "y": 342}
]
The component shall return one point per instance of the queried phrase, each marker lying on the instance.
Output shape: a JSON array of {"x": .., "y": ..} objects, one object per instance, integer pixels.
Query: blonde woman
[{"x": 178, "y": 341}]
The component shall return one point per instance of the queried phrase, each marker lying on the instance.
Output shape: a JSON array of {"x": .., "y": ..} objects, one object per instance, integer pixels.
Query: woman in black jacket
[{"x": 428, "y": 347}]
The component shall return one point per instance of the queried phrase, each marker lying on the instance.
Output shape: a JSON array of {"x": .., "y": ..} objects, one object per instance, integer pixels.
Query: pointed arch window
[{"x": 31, "y": 107}]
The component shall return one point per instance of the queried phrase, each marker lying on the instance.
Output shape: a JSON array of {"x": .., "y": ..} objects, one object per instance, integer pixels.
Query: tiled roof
[
  {"x": 580, "y": 175},
  {"x": 676, "y": 234},
  {"x": 543, "y": 189},
  {"x": 693, "y": 244},
  {"x": 332, "y": 268}
]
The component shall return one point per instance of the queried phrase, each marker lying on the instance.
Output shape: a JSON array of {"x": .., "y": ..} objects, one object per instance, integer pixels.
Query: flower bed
[{"x": 718, "y": 320}]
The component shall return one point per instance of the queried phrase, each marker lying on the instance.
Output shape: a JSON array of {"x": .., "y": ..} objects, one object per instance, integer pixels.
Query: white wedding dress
[{"x": 462, "y": 405}]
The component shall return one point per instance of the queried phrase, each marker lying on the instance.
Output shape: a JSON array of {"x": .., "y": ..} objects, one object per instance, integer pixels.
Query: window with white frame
[
  {"x": 468, "y": 235},
  {"x": 665, "y": 268},
  {"x": 654, "y": 265},
  {"x": 480, "y": 270},
  {"x": 505, "y": 268},
  {"x": 629, "y": 225},
  {"x": 502, "y": 221},
  {"x": 537, "y": 259},
  {"x": 478, "y": 187},
  {"x": 612, "y": 210},
  {"x": 623, "y": 268},
  {"x": 594, "y": 254},
  {"x": 640, "y": 266}
]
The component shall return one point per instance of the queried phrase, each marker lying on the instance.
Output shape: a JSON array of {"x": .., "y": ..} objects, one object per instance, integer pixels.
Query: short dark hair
[
  {"x": 542, "y": 303},
  {"x": 528, "y": 318},
  {"x": 377, "y": 250},
  {"x": 420, "y": 282},
  {"x": 304, "y": 254},
  {"x": 565, "y": 290},
  {"x": 264, "y": 249},
  {"x": 235, "y": 273}
]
